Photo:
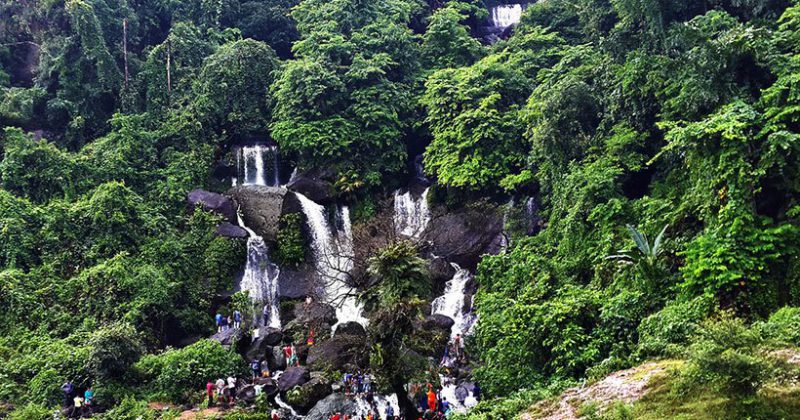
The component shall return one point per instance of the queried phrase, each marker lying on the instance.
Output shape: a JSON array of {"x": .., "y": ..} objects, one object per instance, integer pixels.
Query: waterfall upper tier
[{"x": 257, "y": 164}]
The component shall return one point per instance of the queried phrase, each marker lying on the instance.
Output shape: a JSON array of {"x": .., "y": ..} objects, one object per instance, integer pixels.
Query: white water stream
[
  {"x": 411, "y": 214},
  {"x": 505, "y": 15}
]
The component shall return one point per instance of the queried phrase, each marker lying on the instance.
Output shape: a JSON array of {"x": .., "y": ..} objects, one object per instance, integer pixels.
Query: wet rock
[
  {"x": 210, "y": 201},
  {"x": 351, "y": 328},
  {"x": 229, "y": 337},
  {"x": 461, "y": 394},
  {"x": 438, "y": 321},
  {"x": 268, "y": 386},
  {"x": 308, "y": 394},
  {"x": 334, "y": 403},
  {"x": 275, "y": 359},
  {"x": 316, "y": 185},
  {"x": 340, "y": 352},
  {"x": 464, "y": 236},
  {"x": 441, "y": 272},
  {"x": 229, "y": 230},
  {"x": 297, "y": 282},
  {"x": 261, "y": 208},
  {"x": 262, "y": 346},
  {"x": 315, "y": 313},
  {"x": 246, "y": 393},
  {"x": 292, "y": 377}
]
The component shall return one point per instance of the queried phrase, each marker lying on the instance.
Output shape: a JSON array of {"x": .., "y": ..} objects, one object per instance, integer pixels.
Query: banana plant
[{"x": 646, "y": 259}]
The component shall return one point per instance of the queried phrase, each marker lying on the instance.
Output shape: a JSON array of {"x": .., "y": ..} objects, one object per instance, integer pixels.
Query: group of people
[
  {"x": 231, "y": 321},
  {"x": 454, "y": 353},
  {"x": 430, "y": 403},
  {"x": 358, "y": 385},
  {"x": 369, "y": 416},
  {"x": 79, "y": 404},
  {"x": 221, "y": 391}
]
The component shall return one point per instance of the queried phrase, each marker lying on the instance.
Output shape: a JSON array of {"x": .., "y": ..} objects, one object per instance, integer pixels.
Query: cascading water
[
  {"x": 258, "y": 165},
  {"x": 260, "y": 278},
  {"x": 451, "y": 303},
  {"x": 411, "y": 214},
  {"x": 334, "y": 259},
  {"x": 363, "y": 408},
  {"x": 505, "y": 15}
]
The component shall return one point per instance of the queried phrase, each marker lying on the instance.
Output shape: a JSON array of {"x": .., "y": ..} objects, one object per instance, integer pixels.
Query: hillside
[{"x": 470, "y": 209}]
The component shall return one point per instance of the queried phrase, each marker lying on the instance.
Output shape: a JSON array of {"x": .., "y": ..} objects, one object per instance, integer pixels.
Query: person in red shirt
[
  {"x": 210, "y": 393},
  {"x": 431, "y": 399}
]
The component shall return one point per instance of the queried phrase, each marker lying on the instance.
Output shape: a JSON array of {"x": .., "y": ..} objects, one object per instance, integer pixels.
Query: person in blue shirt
[
  {"x": 237, "y": 319},
  {"x": 88, "y": 397},
  {"x": 68, "y": 389},
  {"x": 255, "y": 366},
  {"x": 218, "y": 318}
]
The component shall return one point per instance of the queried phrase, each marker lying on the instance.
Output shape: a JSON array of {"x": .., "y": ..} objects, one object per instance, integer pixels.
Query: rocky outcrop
[
  {"x": 351, "y": 328},
  {"x": 306, "y": 396},
  {"x": 297, "y": 282},
  {"x": 463, "y": 236},
  {"x": 229, "y": 230},
  {"x": 438, "y": 321},
  {"x": 440, "y": 271},
  {"x": 292, "y": 377},
  {"x": 315, "y": 312},
  {"x": 316, "y": 185},
  {"x": 210, "y": 201},
  {"x": 262, "y": 208},
  {"x": 262, "y": 346},
  {"x": 229, "y": 337},
  {"x": 340, "y": 352},
  {"x": 334, "y": 403}
]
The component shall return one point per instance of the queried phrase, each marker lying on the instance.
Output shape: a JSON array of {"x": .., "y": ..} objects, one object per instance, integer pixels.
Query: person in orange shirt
[{"x": 431, "y": 398}]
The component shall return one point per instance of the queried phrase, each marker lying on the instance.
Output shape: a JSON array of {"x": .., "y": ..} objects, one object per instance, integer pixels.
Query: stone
[
  {"x": 438, "y": 321},
  {"x": 246, "y": 393},
  {"x": 292, "y": 377},
  {"x": 314, "y": 313},
  {"x": 464, "y": 236},
  {"x": 229, "y": 230},
  {"x": 229, "y": 337},
  {"x": 334, "y": 403},
  {"x": 351, "y": 328},
  {"x": 308, "y": 394},
  {"x": 261, "y": 347},
  {"x": 297, "y": 282},
  {"x": 340, "y": 352},
  {"x": 315, "y": 185},
  {"x": 261, "y": 208},
  {"x": 211, "y": 201},
  {"x": 441, "y": 272},
  {"x": 276, "y": 360}
]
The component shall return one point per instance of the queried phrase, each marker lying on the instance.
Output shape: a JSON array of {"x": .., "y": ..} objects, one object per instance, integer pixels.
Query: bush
[
  {"x": 783, "y": 326},
  {"x": 30, "y": 412},
  {"x": 290, "y": 249},
  {"x": 114, "y": 349},
  {"x": 132, "y": 409},
  {"x": 178, "y": 374},
  {"x": 667, "y": 332},
  {"x": 727, "y": 355}
]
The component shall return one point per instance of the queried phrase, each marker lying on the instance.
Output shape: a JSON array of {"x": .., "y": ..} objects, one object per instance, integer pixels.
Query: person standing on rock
[
  {"x": 431, "y": 398},
  {"x": 231, "y": 390},
  {"x": 255, "y": 366},
  {"x": 218, "y": 318},
  {"x": 237, "y": 319},
  {"x": 220, "y": 390},
  {"x": 68, "y": 389}
]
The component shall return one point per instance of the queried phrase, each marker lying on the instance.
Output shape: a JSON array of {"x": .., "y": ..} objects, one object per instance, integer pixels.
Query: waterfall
[
  {"x": 258, "y": 165},
  {"x": 334, "y": 259},
  {"x": 381, "y": 402},
  {"x": 505, "y": 15},
  {"x": 260, "y": 278},
  {"x": 451, "y": 303},
  {"x": 411, "y": 215}
]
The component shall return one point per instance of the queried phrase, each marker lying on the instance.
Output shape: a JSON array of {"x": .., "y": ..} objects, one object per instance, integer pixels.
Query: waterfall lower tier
[
  {"x": 334, "y": 255},
  {"x": 411, "y": 214},
  {"x": 258, "y": 165},
  {"x": 260, "y": 279},
  {"x": 363, "y": 408},
  {"x": 451, "y": 303},
  {"x": 505, "y": 15}
]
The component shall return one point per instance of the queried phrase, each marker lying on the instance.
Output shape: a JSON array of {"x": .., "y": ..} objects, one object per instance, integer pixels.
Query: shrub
[
  {"x": 132, "y": 409},
  {"x": 177, "y": 374},
  {"x": 30, "y": 412},
  {"x": 783, "y": 326},
  {"x": 114, "y": 349},
  {"x": 290, "y": 249},
  {"x": 667, "y": 332},
  {"x": 727, "y": 355}
]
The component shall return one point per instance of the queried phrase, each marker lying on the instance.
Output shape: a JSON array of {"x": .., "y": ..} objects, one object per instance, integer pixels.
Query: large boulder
[
  {"x": 292, "y": 377},
  {"x": 316, "y": 185},
  {"x": 307, "y": 395},
  {"x": 334, "y": 403},
  {"x": 246, "y": 393},
  {"x": 210, "y": 201},
  {"x": 297, "y": 282},
  {"x": 315, "y": 313},
  {"x": 275, "y": 359},
  {"x": 464, "y": 236},
  {"x": 229, "y": 337},
  {"x": 441, "y": 272},
  {"x": 340, "y": 352},
  {"x": 438, "y": 321},
  {"x": 268, "y": 386},
  {"x": 229, "y": 230},
  {"x": 261, "y": 347},
  {"x": 351, "y": 328},
  {"x": 262, "y": 208}
]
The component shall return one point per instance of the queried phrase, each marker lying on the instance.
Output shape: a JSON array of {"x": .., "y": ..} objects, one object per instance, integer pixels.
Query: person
[
  {"x": 431, "y": 398},
  {"x": 224, "y": 324},
  {"x": 287, "y": 354},
  {"x": 336, "y": 416},
  {"x": 275, "y": 415},
  {"x": 68, "y": 389},
  {"x": 229, "y": 322},
  {"x": 218, "y": 318},
  {"x": 231, "y": 389},
  {"x": 309, "y": 301},
  {"x": 237, "y": 319},
  {"x": 210, "y": 393},
  {"x": 389, "y": 412},
  {"x": 220, "y": 390},
  {"x": 367, "y": 384},
  {"x": 445, "y": 406},
  {"x": 88, "y": 396},
  {"x": 457, "y": 345},
  {"x": 295, "y": 360},
  {"x": 77, "y": 407},
  {"x": 265, "y": 312},
  {"x": 255, "y": 366},
  {"x": 446, "y": 356},
  {"x": 265, "y": 370},
  {"x": 310, "y": 341}
]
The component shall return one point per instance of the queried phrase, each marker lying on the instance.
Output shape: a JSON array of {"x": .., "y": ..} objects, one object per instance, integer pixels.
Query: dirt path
[{"x": 626, "y": 386}]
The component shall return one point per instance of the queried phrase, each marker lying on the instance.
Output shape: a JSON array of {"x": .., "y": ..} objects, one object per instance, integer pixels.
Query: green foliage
[
  {"x": 727, "y": 355},
  {"x": 115, "y": 348},
  {"x": 177, "y": 374},
  {"x": 668, "y": 331},
  {"x": 30, "y": 412},
  {"x": 290, "y": 250},
  {"x": 783, "y": 326},
  {"x": 400, "y": 274},
  {"x": 447, "y": 42}
]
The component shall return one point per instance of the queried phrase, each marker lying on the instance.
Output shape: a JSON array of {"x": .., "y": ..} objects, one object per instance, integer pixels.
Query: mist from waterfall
[
  {"x": 258, "y": 165},
  {"x": 334, "y": 257},
  {"x": 451, "y": 303},
  {"x": 260, "y": 279},
  {"x": 505, "y": 15},
  {"x": 411, "y": 214}
]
